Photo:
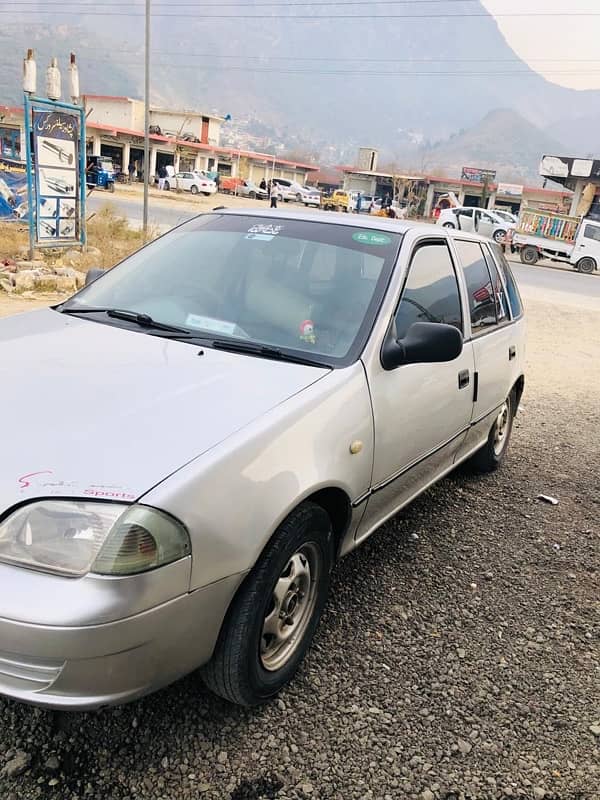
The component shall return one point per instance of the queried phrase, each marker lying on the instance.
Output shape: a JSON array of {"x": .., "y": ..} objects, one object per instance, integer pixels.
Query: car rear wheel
[
  {"x": 273, "y": 618},
  {"x": 499, "y": 236},
  {"x": 586, "y": 265},
  {"x": 490, "y": 456},
  {"x": 194, "y": 189},
  {"x": 448, "y": 225},
  {"x": 529, "y": 255}
]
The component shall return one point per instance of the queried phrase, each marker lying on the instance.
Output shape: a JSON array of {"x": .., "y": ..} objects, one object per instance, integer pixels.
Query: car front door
[
  {"x": 587, "y": 244},
  {"x": 421, "y": 411}
]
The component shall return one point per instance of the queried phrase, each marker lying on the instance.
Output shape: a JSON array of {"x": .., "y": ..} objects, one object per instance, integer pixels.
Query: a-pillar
[
  {"x": 126, "y": 157},
  {"x": 429, "y": 200},
  {"x": 152, "y": 170},
  {"x": 96, "y": 146}
]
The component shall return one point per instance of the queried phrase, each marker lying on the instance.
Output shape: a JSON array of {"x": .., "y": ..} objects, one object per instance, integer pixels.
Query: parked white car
[
  {"x": 234, "y": 408},
  {"x": 285, "y": 190},
  {"x": 307, "y": 195},
  {"x": 194, "y": 182},
  {"x": 476, "y": 220}
]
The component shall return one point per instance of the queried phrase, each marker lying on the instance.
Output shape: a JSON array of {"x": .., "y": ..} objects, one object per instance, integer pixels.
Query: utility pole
[{"x": 146, "y": 119}]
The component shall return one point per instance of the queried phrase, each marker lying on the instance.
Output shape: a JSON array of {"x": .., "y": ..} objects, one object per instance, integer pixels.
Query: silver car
[
  {"x": 478, "y": 220},
  {"x": 199, "y": 434}
]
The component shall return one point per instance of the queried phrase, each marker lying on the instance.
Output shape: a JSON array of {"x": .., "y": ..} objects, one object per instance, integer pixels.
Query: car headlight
[{"x": 73, "y": 538}]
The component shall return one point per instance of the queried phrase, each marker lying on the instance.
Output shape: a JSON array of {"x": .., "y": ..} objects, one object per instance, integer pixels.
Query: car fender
[{"x": 233, "y": 498}]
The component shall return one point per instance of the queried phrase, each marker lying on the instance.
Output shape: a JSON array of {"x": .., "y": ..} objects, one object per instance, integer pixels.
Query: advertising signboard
[
  {"x": 56, "y": 151},
  {"x": 476, "y": 175},
  {"x": 564, "y": 167}
]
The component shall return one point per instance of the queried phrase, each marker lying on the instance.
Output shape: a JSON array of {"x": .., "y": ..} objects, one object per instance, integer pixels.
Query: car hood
[{"x": 91, "y": 410}]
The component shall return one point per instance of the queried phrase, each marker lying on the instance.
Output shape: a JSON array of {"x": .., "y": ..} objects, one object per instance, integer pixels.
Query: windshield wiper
[
  {"x": 143, "y": 320},
  {"x": 234, "y": 346}
]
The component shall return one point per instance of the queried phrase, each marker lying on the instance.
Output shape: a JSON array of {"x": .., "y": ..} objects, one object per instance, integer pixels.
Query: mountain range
[{"x": 420, "y": 86}]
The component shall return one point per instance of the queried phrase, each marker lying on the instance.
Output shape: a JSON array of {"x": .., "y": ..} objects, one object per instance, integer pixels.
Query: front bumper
[{"x": 97, "y": 665}]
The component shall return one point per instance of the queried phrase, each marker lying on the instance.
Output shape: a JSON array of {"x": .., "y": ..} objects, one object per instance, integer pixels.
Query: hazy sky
[{"x": 564, "y": 37}]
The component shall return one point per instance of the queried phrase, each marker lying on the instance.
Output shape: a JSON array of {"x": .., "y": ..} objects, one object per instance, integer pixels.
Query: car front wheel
[
  {"x": 272, "y": 620},
  {"x": 491, "y": 455},
  {"x": 586, "y": 265}
]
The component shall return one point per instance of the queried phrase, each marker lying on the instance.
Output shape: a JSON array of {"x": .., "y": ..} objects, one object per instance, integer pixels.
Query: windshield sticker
[
  {"x": 211, "y": 324},
  {"x": 260, "y": 237},
  {"x": 271, "y": 230},
  {"x": 372, "y": 238}
]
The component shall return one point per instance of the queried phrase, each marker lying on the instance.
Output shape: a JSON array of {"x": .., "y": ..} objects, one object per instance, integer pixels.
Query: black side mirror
[
  {"x": 424, "y": 343},
  {"x": 92, "y": 274}
]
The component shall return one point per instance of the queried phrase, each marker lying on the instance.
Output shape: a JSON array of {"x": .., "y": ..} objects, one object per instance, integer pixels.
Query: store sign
[
  {"x": 510, "y": 190},
  {"x": 476, "y": 175},
  {"x": 562, "y": 167},
  {"x": 57, "y": 175}
]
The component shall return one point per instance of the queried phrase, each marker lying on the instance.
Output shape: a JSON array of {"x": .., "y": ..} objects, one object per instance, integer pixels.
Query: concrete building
[
  {"x": 115, "y": 129},
  {"x": 430, "y": 188}
]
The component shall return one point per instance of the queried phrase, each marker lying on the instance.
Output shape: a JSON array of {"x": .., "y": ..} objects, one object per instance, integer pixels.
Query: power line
[
  {"x": 337, "y": 59},
  {"x": 376, "y": 73},
  {"x": 317, "y": 17}
]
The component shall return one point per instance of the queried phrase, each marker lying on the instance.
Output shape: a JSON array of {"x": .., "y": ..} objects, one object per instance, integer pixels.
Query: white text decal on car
[{"x": 271, "y": 230}]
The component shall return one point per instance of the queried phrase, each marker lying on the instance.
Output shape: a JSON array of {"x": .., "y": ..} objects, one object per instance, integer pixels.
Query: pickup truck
[{"x": 573, "y": 240}]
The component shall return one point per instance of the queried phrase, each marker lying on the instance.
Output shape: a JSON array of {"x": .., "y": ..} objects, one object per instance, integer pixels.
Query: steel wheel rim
[
  {"x": 290, "y": 607},
  {"x": 501, "y": 428},
  {"x": 499, "y": 237}
]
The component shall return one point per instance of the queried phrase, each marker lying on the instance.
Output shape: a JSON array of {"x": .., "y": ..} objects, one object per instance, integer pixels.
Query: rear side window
[
  {"x": 431, "y": 290},
  {"x": 514, "y": 297},
  {"x": 482, "y": 303},
  {"x": 502, "y": 312}
]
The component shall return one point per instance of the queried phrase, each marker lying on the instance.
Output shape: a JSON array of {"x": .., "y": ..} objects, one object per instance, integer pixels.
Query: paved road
[
  {"x": 549, "y": 281},
  {"x": 163, "y": 214},
  {"x": 556, "y": 283}
]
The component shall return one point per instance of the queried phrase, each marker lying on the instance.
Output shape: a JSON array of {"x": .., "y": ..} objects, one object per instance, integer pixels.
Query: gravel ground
[{"x": 459, "y": 656}]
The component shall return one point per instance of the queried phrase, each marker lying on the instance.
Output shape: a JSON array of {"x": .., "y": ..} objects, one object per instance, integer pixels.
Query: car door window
[
  {"x": 482, "y": 302},
  {"x": 592, "y": 232},
  {"x": 431, "y": 291}
]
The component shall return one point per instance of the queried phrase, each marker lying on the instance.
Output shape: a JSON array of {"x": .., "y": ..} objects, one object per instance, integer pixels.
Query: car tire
[
  {"x": 194, "y": 189},
  {"x": 491, "y": 455},
  {"x": 586, "y": 265},
  {"x": 529, "y": 255},
  {"x": 499, "y": 236},
  {"x": 252, "y": 195},
  {"x": 449, "y": 225},
  {"x": 298, "y": 198},
  {"x": 111, "y": 187},
  {"x": 249, "y": 666}
]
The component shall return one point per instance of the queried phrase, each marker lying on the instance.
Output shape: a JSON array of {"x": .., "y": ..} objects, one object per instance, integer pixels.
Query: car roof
[{"x": 353, "y": 220}]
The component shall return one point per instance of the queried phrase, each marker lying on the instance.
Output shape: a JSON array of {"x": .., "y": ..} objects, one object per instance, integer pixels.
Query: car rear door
[
  {"x": 421, "y": 411},
  {"x": 497, "y": 343},
  {"x": 464, "y": 218}
]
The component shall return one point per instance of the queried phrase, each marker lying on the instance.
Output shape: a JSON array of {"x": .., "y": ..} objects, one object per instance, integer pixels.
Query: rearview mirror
[
  {"x": 424, "y": 343},
  {"x": 92, "y": 274}
]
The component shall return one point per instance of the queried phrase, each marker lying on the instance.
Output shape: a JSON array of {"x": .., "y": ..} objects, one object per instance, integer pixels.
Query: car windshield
[{"x": 293, "y": 284}]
